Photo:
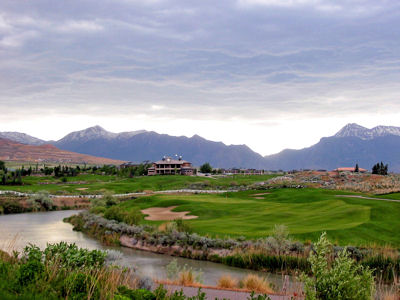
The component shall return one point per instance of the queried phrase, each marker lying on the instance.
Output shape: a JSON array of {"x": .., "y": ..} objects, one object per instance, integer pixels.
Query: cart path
[
  {"x": 368, "y": 198},
  {"x": 218, "y": 293}
]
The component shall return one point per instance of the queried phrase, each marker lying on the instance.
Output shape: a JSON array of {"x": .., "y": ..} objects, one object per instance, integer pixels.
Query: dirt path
[
  {"x": 166, "y": 214},
  {"x": 220, "y": 294},
  {"x": 368, "y": 198}
]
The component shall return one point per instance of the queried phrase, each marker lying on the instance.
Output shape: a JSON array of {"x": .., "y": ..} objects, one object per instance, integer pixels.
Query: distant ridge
[
  {"x": 148, "y": 145},
  {"x": 14, "y": 151},
  {"x": 350, "y": 145},
  {"x": 21, "y": 138}
]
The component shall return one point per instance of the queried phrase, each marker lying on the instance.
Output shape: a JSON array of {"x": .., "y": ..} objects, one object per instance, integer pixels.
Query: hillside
[{"x": 14, "y": 151}]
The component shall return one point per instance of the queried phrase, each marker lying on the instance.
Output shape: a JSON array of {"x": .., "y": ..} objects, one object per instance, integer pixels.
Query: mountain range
[{"x": 350, "y": 145}]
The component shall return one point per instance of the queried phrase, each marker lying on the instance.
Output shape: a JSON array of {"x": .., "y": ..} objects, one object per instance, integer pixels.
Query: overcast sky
[{"x": 271, "y": 74}]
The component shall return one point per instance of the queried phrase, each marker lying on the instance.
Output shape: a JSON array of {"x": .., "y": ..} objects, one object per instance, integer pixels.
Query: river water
[{"x": 17, "y": 230}]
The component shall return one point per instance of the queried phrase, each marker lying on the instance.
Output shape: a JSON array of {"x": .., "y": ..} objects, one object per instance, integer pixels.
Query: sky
[{"x": 271, "y": 74}]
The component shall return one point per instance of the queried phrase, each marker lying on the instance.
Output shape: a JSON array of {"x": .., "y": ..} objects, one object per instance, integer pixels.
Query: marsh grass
[
  {"x": 256, "y": 283},
  {"x": 227, "y": 282}
]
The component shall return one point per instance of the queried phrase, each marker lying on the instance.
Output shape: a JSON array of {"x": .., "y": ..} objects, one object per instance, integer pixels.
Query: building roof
[{"x": 170, "y": 161}]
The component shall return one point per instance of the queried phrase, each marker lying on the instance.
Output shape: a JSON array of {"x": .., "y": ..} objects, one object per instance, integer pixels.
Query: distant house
[
  {"x": 350, "y": 169},
  {"x": 169, "y": 166}
]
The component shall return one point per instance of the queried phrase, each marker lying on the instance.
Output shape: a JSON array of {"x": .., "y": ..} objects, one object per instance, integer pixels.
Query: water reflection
[{"x": 17, "y": 230}]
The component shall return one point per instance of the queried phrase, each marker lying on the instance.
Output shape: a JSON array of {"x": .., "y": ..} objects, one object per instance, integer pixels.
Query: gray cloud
[{"x": 252, "y": 59}]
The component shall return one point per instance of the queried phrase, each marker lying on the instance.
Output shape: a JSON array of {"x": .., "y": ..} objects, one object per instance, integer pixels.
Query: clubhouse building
[{"x": 169, "y": 166}]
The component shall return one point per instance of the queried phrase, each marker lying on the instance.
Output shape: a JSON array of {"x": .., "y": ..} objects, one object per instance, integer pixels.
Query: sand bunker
[
  {"x": 165, "y": 214},
  {"x": 81, "y": 189},
  {"x": 260, "y": 194}
]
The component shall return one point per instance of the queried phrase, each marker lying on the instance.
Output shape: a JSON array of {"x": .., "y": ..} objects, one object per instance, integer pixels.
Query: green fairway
[
  {"x": 96, "y": 184},
  {"x": 306, "y": 212}
]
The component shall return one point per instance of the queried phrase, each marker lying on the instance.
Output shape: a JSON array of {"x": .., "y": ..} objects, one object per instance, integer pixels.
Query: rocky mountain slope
[
  {"x": 144, "y": 145},
  {"x": 352, "y": 144},
  {"x": 355, "y": 130},
  {"x": 14, "y": 151},
  {"x": 21, "y": 138}
]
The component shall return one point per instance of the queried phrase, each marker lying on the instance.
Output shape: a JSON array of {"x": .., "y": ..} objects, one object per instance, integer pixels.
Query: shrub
[
  {"x": 183, "y": 275},
  {"x": 30, "y": 271},
  {"x": 41, "y": 200},
  {"x": 78, "y": 285},
  {"x": 255, "y": 283},
  {"x": 228, "y": 282},
  {"x": 132, "y": 217},
  {"x": 338, "y": 278},
  {"x": 139, "y": 294},
  {"x": 183, "y": 226},
  {"x": 114, "y": 213}
]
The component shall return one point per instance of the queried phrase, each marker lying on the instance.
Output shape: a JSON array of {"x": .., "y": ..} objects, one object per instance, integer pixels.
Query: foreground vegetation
[{"x": 64, "y": 271}]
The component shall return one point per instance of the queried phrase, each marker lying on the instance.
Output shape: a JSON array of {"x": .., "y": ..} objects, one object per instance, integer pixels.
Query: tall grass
[
  {"x": 227, "y": 282},
  {"x": 256, "y": 283}
]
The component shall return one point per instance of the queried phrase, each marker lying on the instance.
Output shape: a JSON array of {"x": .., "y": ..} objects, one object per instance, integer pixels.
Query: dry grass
[
  {"x": 227, "y": 282},
  {"x": 186, "y": 277},
  {"x": 255, "y": 283}
]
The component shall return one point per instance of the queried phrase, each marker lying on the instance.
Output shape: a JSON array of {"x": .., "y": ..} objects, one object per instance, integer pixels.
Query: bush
[
  {"x": 227, "y": 282},
  {"x": 183, "y": 226},
  {"x": 41, "y": 200},
  {"x": 255, "y": 283},
  {"x": 30, "y": 271},
  {"x": 78, "y": 285},
  {"x": 132, "y": 217},
  {"x": 338, "y": 278},
  {"x": 183, "y": 275}
]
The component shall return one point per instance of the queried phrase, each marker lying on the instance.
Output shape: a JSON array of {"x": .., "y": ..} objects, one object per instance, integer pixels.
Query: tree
[
  {"x": 2, "y": 165},
  {"x": 339, "y": 277},
  {"x": 380, "y": 169},
  {"x": 205, "y": 168},
  {"x": 356, "y": 169}
]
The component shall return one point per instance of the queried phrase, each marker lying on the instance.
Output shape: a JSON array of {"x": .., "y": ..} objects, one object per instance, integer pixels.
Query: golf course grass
[
  {"x": 306, "y": 212},
  {"x": 97, "y": 184}
]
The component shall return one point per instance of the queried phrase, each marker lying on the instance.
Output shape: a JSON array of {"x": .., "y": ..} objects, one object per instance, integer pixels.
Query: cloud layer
[{"x": 262, "y": 64}]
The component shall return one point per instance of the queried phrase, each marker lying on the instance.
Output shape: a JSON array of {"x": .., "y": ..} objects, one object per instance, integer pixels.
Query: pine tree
[{"x": 356, "y": 169}]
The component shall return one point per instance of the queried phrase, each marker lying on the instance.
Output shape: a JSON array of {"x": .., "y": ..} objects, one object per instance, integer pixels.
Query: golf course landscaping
[
  {"x": 84, "y": 184},
  {"x": 306, "y": 213}
]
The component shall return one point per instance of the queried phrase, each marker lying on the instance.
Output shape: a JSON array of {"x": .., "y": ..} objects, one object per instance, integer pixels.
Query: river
[{"x": 17, "y": 230}]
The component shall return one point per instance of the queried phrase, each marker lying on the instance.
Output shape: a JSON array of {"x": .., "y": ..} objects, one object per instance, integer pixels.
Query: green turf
[
  {"x": 95, "y": 184},
  {"x": 394, "y": 196},
  {"x": 306, "y": 212}
]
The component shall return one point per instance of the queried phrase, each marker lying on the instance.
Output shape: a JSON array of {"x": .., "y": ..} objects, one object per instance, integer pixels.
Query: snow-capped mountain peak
[
  {"x": 89, "y": 134},
  {"x": 355, "y": 130},
  {"x": 22, "y": 138}
]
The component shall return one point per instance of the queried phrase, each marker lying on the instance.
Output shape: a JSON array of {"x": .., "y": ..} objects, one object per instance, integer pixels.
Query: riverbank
[
  {"x": 12, "y": 204},
  {"x": 243, "y": 254}
]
